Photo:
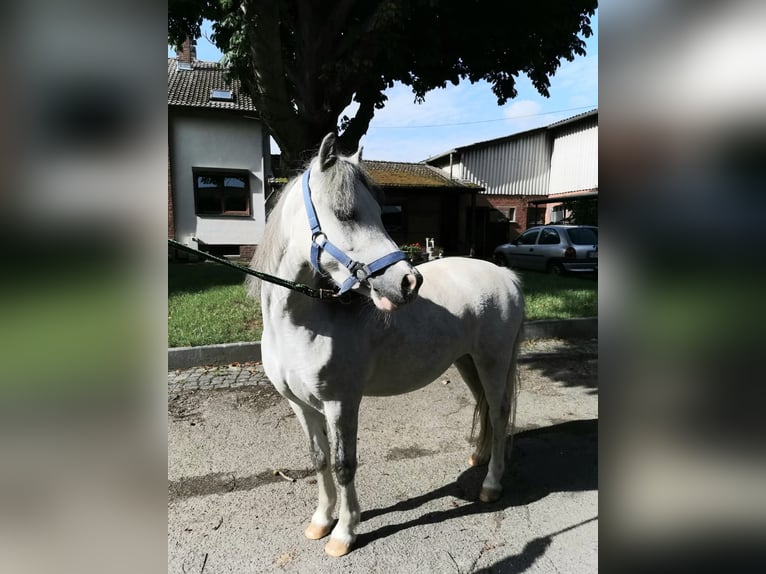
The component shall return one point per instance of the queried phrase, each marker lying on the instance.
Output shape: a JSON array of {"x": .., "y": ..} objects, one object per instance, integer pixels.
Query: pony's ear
[
  {"x": 357, "y": 157},
  {"x": 327, "y": 154}
]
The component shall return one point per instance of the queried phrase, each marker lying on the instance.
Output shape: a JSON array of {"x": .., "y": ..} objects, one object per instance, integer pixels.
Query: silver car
[{"x": 552, "y": 248}]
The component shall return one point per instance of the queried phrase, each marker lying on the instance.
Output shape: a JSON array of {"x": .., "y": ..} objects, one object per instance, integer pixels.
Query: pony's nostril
[
  {"x": 410, "y": 284},
  {"x": 418, "y": 279}
]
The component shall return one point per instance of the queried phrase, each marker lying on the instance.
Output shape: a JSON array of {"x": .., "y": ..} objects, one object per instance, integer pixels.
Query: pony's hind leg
[
  {"x": 342, "y": 421},
  {"x": 313, "y": 424},
  {"x": 467, "y": 369},
  {"x": 498, "y": 380}
]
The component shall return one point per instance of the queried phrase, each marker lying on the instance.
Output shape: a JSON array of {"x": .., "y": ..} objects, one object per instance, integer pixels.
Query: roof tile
[
  {"x": 191, "y": 88},
  {"x": 401, "y": 174}
]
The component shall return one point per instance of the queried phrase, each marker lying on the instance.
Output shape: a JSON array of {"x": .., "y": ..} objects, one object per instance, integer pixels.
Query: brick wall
[
  {"x": 504, "y": 202},
  {"x": 188, "y": 51},
  {"x": 247, "y": 251}
]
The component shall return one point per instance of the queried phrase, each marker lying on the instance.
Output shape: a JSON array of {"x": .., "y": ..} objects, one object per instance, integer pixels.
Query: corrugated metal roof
[
  {"x": 519, "y": 166},
  {"x": 402, "y": 174},
  {"x": 485, "y": 143},
  {"x": 572, "y": 119},
  {"x": 192, "y": 88}
]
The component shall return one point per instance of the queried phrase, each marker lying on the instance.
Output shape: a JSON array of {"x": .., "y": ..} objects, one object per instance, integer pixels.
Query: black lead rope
[{"x": 324, "y": 294}]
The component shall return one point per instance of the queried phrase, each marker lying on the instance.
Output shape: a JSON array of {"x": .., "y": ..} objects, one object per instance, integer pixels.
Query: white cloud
[{"x": 522, "y": 109}]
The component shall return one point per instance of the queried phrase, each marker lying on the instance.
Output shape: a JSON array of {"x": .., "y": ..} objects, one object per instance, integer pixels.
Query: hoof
[
  {"x": 315, "y": 531},
  {"x": 489, "y": 494},
  {"x": 474, "y": 460},
  {"x": 336, "y": 548}
]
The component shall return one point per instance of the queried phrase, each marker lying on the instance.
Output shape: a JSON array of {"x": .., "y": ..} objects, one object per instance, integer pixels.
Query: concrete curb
[
  {"x": 188, "y": 357},
  {"x": 586, "y": 328}
]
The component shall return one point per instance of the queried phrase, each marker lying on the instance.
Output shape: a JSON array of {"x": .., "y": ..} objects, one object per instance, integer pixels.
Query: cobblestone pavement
[
  {"x": 217, "y": 377},
  {"x": 250, "y": 374}
]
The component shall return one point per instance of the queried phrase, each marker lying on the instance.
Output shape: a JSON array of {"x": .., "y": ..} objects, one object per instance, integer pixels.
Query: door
[
  {"x": 549, "y": 247},
  {"x": 523, "y": 254}
]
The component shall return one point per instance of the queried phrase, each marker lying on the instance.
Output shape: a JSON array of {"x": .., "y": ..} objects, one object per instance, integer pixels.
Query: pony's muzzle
[{"x": 389, "y": 294}]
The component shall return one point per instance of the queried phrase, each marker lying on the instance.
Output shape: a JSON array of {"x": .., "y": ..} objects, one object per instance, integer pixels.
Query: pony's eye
[{"x": 349, "y": 215}]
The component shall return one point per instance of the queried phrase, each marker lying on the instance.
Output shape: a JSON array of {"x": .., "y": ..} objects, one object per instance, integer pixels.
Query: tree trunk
[{"x": 299, "y": 110}]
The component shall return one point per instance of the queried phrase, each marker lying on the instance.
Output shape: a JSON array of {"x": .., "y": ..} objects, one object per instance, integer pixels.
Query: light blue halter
[{"x": 360, "y": 272}]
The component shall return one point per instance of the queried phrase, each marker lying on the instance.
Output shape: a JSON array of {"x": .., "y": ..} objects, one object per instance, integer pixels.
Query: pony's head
[{"x": 350, "y": 219}]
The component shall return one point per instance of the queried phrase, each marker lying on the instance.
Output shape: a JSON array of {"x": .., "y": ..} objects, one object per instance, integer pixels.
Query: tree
[
  {"x": 583, "y": 211},
  {"x": 304, "y": 61}
]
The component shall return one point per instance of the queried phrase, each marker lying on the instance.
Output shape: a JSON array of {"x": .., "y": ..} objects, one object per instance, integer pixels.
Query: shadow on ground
[
  {"x": 558, "y": 458},
  {"x": 570, "y": 371},
  {"x": 533, "y": 550}
]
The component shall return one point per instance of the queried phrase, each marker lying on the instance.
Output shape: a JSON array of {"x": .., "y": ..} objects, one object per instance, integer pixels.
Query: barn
[{"x": 544, "y": 175}]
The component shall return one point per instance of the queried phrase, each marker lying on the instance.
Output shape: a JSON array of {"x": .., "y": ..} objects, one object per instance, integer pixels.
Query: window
[
  {"x": 535, "y": 215},
  {"x": 529, "y": 237},
  {"x": 222, "y": 192},
  {"x": 222, "y": 95},
  {"x": 583, "y": 235},
  {"x": 549, "y": 236},
  {"x": 512, "y": 214},
  {"x": 557, "y": 214},
  {"x": 222, "y": 250}
]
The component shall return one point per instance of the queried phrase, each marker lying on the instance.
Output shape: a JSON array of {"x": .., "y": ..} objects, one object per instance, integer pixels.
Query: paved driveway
[{"x": 229, "y": 512}]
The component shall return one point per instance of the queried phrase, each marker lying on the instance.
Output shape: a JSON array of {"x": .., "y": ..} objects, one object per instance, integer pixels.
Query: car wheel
[
  {"x": 555, "y": 268},
  {"x": 500, "y": 260}
]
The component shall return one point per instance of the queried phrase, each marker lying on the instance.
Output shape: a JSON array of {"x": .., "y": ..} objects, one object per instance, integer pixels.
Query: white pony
[{"x": 396, "y": 336}]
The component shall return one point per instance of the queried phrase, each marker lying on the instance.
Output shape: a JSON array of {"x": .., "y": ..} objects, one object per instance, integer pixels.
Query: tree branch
[{"x": 358, "y": 125}]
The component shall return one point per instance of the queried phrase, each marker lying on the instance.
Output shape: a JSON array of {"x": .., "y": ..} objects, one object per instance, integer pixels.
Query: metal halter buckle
[
  {"x": 316, "y": 234},
  {"x": 360, "y": 271}
]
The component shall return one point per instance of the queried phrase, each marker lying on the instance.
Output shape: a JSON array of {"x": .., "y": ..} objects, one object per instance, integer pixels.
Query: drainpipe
[{"x": 450, "y": 166}]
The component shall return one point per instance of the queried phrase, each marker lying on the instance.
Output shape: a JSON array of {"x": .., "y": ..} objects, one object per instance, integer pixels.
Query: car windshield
[{"x": 583, "y": 235}]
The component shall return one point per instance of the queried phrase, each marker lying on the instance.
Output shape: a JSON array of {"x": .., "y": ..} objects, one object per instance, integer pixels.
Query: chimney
[{"x": 188, "y": 52}]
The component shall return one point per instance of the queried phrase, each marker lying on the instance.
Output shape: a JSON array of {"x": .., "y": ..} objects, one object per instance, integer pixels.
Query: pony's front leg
[
  {"x": 342, "y": 421},
  {"x": 313, "y": 424}
]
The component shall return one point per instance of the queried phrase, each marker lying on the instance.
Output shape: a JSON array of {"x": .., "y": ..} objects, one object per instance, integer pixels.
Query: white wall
[
  {"x": 201, "y": 141},
  {"x": 574, "y": 162},
  {"x": 519, "y": 166}
]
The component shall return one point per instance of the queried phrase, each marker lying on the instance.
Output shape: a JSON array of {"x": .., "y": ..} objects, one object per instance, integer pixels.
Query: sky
[{"x": 467, "y": 113}]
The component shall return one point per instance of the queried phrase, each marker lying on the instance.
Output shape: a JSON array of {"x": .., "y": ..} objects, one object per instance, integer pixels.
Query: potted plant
[{"x": 415, "y": 252}]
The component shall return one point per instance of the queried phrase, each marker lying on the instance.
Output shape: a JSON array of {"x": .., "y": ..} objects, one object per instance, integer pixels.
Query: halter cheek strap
[{"x": 359, "y": 272}]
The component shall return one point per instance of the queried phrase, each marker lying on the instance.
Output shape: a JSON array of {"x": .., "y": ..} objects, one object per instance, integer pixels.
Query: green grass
[
  {"x": 559, "y": 297},
  {"x": 207, "y": 303}
]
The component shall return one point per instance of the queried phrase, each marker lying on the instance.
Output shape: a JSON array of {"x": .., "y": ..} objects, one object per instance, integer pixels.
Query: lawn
[
  {"x": 559, "y": 297},
  {"x": 207, "y": 303}
]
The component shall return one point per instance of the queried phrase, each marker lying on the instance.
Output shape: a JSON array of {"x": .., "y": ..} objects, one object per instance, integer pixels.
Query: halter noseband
[{"x": 360, "y": 272}]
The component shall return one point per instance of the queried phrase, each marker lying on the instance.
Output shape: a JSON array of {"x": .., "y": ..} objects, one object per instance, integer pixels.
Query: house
[
  {"x": 420, "y": 201},
  {"x": 218, "y": 159},
  {"x": 220, "y": 167},
  {"x": 529, "y": 177},
  {"x": 417, "y": 201}
]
